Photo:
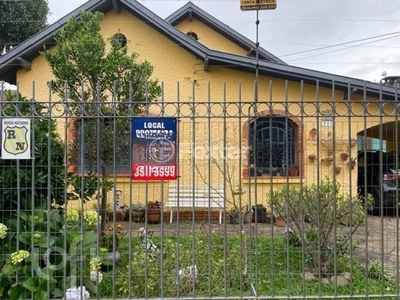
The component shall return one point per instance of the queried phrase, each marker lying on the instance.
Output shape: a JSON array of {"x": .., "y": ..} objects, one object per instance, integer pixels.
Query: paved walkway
[
  {"x": 380, "y": 238},
  {"x": 204, "y": 227}
]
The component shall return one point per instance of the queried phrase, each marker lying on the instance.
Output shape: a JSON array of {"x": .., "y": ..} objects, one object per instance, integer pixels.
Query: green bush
[
  {"x": 313, "y": 212},
  {"x": 40, "y": 252},
  {"x": 41, "y": 182},
  {"x": 46, "y": 257},
  {"x": 33, "y": 182}
]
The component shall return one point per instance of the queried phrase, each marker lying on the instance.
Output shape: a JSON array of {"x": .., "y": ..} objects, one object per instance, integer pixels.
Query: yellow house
[{"x": 229, "y": 120}]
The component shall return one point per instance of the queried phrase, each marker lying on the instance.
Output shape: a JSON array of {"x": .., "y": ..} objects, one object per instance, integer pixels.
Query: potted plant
[
  {"x": 352, "y": 163},
  {"x": 153, "y": 212},
  {"x": 137, "y": 212},
  {"x": 293, "y": 170},
  {"x": 111, "y": 209},
  {"x": 273, "y": 171},
  {"x": 327, "y": 160},
  {"x": 254, "y": 172},
  {"x": 248, "y": 214},
  {"x": 234, "y": 216},
  {"x": 260, "y": 214}
]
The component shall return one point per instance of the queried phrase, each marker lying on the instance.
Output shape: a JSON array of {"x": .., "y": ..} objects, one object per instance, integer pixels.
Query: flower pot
[
  {"x": 344, "y": 156},
  {"x": 252, "y": 172},
  {"x": 153, "y": 216},
  {"x": 259, "y": 217},
  {"x": 293, "y": 171},
  {"x": 328, "y": 161},
  {"x": 137, "y": 215},
  {"x": 312, "y": 157},
  {"x": 279, "y": 222},
  {"x": 118, "y": 216},
  {"x": 338, "y": 169},
  {"x": 263, "y": 217},
  {"x": 313, "y": 134},
  {"x": 248, "y": 217},
  {"x": 234, "y": 219},
  {"x": 273, "y": 171}
]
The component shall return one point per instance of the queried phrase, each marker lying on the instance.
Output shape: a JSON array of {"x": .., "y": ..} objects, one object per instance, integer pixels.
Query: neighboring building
[
  {"x": 299, "y": 113},
  {"x": 391, "y": 81}
]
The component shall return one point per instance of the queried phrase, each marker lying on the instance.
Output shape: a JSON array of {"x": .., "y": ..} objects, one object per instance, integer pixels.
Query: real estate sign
[
  {"x": 154, "y": 148},
  {"x": 257, "y": 4}
]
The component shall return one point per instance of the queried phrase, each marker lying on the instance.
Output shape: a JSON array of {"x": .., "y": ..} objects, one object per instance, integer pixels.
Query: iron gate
[{"x": 293, "y": 180}]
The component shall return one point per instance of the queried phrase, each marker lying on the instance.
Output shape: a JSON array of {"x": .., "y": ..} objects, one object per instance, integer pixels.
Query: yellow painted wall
[
  {"x": 185, "y": 80},
  {"x": 209, "y": 37},
  {"x": 172, "y": 66}
]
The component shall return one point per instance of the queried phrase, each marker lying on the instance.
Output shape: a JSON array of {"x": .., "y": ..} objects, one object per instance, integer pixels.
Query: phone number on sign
[{"x": 154, "y": 172}]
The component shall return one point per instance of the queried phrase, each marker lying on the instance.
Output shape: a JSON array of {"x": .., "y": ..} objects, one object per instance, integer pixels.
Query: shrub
[
  {"x": 312, "y": 213},
  {"x": 40, "y": 178},
  {"x": 46, "y": 258}
]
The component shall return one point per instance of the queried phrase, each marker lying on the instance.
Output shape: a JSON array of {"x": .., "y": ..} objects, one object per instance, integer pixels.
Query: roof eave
[
  {"x": 293, "y": 73},
  {"x": 167, "y": 29},
  {"x": 190, "y": 9},
  {"x": 29, "y": 49}
]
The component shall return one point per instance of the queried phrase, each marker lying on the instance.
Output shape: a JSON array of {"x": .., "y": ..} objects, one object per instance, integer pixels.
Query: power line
[
  {"x": 396, "y": 33},
  {"x": 327, "y": 20},
  {"x": 345, "y": 48},
  {"x": 317, "y": 45}
]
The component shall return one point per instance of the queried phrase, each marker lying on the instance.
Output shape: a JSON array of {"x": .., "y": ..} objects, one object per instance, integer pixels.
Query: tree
[
  {"x": 19, "y": 20},
  {"x": 102, "y": 88}
]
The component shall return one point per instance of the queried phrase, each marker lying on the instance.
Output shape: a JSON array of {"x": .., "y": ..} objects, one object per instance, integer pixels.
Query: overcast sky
[{"x": 356, "y": 38}]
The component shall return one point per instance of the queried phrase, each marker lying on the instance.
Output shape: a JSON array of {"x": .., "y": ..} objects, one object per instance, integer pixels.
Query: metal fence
[{"x": 276, "y": 199}]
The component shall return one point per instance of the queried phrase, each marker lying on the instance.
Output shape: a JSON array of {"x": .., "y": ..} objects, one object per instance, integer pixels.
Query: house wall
[
  {"x": 209, "y": 37},
  {"x": 172, "y": 66},
  {"x": 187, "y": 85}
]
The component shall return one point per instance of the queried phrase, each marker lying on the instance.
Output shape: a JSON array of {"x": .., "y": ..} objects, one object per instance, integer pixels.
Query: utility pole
[{"x": 257, "y": 5}]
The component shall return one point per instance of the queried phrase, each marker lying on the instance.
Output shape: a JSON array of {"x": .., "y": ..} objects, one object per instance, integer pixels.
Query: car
[{"x": 379, "y": 176}]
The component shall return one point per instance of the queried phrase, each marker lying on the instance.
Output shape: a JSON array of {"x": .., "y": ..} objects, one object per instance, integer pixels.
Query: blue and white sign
[{"x": 154, "y": 148}]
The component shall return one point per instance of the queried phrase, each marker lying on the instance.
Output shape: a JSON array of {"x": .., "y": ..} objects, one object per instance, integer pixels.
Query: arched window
[
  {"x": 120, "y": 38},
  {"x": 193, "y": 35},
  {"x": 272, "y": 144}
]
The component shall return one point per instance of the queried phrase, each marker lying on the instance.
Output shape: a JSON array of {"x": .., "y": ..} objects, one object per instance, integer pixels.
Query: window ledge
[{"x": 274, "y": 179}]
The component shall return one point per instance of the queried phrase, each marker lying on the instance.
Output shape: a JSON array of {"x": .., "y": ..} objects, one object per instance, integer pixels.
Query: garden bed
[{"x": 274, "y": 269}]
